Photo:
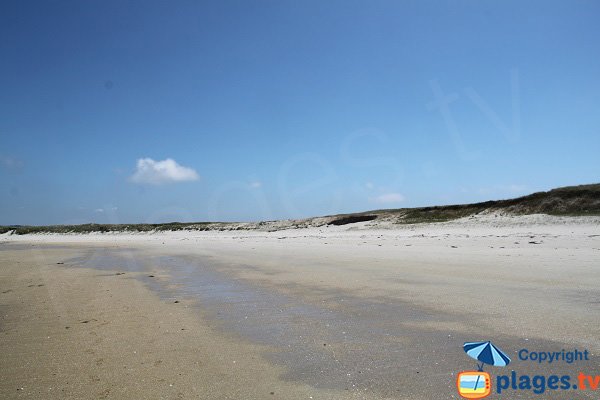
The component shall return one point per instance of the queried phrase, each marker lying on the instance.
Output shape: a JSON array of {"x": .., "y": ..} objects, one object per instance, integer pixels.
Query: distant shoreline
[{"x": 570, "y": 201}]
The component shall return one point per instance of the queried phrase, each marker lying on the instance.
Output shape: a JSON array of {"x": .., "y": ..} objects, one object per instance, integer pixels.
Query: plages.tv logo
[{"x": 478, "y": 384}]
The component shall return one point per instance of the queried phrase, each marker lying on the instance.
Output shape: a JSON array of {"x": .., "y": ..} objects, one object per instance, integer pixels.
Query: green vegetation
[
  {"x": 351, "y": 219},
  {"x": 103, "y": 228},
  {"x": 438, "y": 214},
  {"x": 581, "y": 200}
]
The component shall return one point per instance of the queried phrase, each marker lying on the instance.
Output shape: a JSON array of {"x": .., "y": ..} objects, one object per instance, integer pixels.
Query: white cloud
[
  {"x": 255, "y": 184},
  {"x": 517, "y": 188},
  {"x": 101, "y": 210},
  {"x": 159, "y": 172},
  {"x": 11, "y": 163},
  {"x": 388, "y": 198}
]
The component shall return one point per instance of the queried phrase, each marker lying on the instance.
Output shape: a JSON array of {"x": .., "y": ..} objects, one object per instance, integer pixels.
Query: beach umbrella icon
[{"x": 486, "y": 353}]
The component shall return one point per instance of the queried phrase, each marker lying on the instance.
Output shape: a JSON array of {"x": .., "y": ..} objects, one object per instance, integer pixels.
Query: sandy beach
[{"x": 365, "y": 311}]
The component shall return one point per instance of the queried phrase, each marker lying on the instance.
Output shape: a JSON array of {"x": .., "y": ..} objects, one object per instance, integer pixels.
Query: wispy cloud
[
  {"x": 255, "y": 184},
  {"x": 153, "y": 172},
  {"x": 101, "y": 210},
  {"x": 388, "y": 198},
  {"x": 11, "y": 163}
]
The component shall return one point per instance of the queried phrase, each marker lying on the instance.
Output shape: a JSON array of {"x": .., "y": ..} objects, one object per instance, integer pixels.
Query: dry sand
[{"x": 365, "y": 310}]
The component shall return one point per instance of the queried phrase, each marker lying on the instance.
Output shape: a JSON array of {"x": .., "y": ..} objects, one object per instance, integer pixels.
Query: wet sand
[{"x": 322, "y": 313}]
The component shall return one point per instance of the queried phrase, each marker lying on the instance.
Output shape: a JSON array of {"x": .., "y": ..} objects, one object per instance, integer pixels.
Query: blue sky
[{"x": 153, "y": 111}]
